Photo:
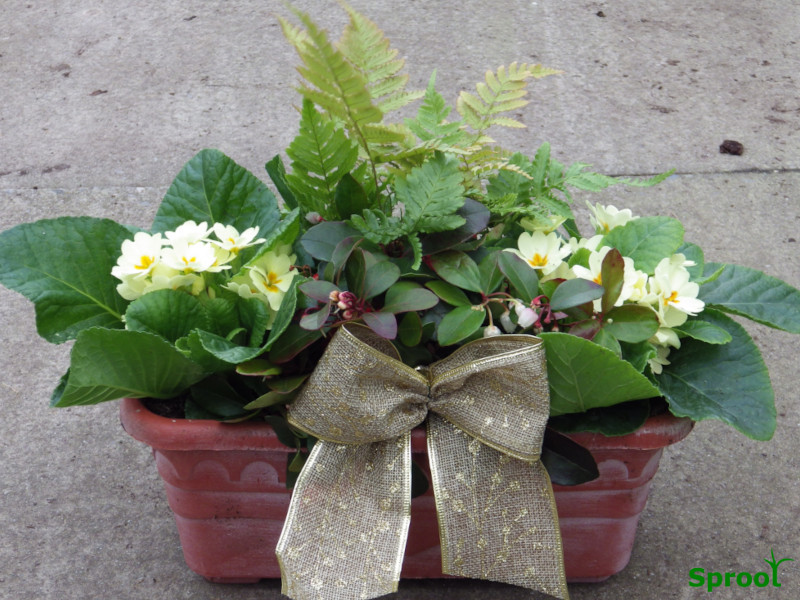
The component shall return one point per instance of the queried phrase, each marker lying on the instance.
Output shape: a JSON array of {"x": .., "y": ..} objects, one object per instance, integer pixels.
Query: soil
[{"x": 172, "y": 408}]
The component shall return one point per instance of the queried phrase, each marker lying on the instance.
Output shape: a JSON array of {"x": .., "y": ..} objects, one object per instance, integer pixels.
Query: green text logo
[{"x": 699, "y": 577}]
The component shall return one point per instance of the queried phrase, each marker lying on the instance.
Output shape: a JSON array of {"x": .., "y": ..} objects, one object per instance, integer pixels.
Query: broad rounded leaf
[
  {"x": 457, "y": 269},
  {"x": 522, "y": 278},
  {"x": 476, "y": 217},
  {"x": 107, "y": 364},
  {"x": 459, "y": 324},
  {"x": 172, "y": 314},
  {"x": 728, "y": 382},
  {"x": 620, "y": 419},
  {"x": 449, "y": 293},
  {"x": 405, "y": 296},
  {"x": 631, "y": 323},
  {"x": 318, "y": 289},
  {"x": 211, "y": 187},
  {"x": 379, "y": 277},
  {"x": 750, "y": 293},
  {"x": 382, "y": 323},
  {"x": 647, "y": 240},
  {"x": 584, "y": 375},
  {"x": 321, "y": 240},
  {"x": 575, "y": 292},
  {"x": 64, "y": 267},
  {"x": 704, "y": 331},
  {"x": 409, "y": 330}
]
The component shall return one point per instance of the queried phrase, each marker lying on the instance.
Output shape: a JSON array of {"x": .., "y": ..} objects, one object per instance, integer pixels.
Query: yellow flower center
[
  {"x": 234, "y": 249},
  {"x": 146, "y": 261},
  {"x": 272, "y": 282},
  {"x": 599, "y": 279},
  {"x": 673, "y": 297},
  {"x": 538, "y": 260}
]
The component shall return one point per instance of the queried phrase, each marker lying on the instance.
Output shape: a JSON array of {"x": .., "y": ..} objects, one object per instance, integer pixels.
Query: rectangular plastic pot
[{"x": 227, "y": 489}]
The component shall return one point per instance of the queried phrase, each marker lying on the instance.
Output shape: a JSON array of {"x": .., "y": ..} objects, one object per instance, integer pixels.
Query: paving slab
[{"x": 104, "y": 102}]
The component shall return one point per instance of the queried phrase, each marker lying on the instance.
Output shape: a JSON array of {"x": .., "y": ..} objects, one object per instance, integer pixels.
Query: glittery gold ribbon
[{"x": 486, "y": 407}]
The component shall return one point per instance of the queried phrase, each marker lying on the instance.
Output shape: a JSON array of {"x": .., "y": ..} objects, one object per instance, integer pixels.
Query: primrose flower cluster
[
  {"x": 668, "y": 291},
  {"x": 183, "y": 260}
]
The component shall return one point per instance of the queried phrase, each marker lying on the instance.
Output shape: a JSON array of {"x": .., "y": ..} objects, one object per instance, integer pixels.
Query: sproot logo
[{"x": 699, "y": 577}]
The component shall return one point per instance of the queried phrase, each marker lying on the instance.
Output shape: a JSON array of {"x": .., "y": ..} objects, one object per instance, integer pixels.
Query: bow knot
[{"x": 486, "y": 407}]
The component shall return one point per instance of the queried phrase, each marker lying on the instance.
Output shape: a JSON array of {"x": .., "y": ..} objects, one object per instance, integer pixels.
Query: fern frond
[
  {"x": 321, "y": 155},
  {"x": 378, "y": 227},
  {"x": 502, "y": 92},
  {"x": 432, "y": 194},
  {"x": 364, "y": 44}
]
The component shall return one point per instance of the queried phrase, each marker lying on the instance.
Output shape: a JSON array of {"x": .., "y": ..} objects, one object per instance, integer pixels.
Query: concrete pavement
[{"x": 103, "y": 102}]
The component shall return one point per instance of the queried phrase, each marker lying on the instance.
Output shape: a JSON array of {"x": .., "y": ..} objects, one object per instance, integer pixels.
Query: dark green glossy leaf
[
  {"x": 350, "y": 197},
  {"x": 703, "y": 331},
  {"x": 449, "y": 293},
  {"x": 750, "y": 293},
  {"x": 107, "y": 364},
  {"x": 575, "y": 292},
  {"x": 584, "y": 375},
  {"x": 405, "y": 296},
  {"x": 476, "y": 217},
  {"x": 457, "y": 269},
  {"x": 459, "y": 324},
  {"x": 728, "y": 382},
  {"x": 218, "y": 398},
  {"x": 35, "y": 257},
  {"x": 612, "y": 274},
  {"x": 522, "y": 278},
  {"x": 490, "y": 273},
  {"x": 409, "y": 330},
  {"x": 567, "y": 462},
  {"x": 321, "y": 240},
  {"x": 293, "y": 341},
  {"x": 620, "y": 419},
  {"x": 379, "y": 277},
  {"x": 171, "y": 314},
  {"x": 631, "y": 323},
  {"x": 277, "y": 173}
]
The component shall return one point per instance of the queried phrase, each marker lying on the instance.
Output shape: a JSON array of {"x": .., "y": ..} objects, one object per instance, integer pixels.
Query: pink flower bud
[
  {"x": 334, "y": 296},
  {"x": 507, "y": 323},
  {"x": 349, "y": 314},
  {"x": 314, "y": 218}
]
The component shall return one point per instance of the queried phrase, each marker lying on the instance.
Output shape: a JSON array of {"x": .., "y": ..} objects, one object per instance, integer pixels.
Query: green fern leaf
[
  {"x": 378, "y": 227},
  {"x": 431, "y": 120},
  {"x": 364, "y": 44},
  {"x": 321, "y": 155},
  {"x": 432, "y": 194},
  {"x": 502, "y": 92}
]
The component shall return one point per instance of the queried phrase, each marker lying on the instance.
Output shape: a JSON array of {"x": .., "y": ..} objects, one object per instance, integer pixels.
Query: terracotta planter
[{"x": 226, "y": 487}]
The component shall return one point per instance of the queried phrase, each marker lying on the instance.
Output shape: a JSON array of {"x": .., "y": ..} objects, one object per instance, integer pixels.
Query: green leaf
[
  {"x": 459, "y": 324},
  {"x": 612, "y": 274},
  {"x": 284, "y": 316},
  {"x": 321, "y": 240},
  {"x": 728, "y": 382},
  {"x": 575, "y": 292},
  {"x": 316, "y": 320},
  {"x": 449, "y": 293},
  {"x": 216, "y": 396},
  {"x": 523, "y": 279},
  {"x": 213, "y": 188},
  {"x": 321, "y": 156},
  {"x": 694, "y": 253},
  {"x": 405, "y": 296},
  {"x": 457, "y": 269},
  {"x": 703, "y": 331},
  {"x": 647, "y": 240},
  {"x": 491, "y": 275},
  {"x": 409, "y": 330},
  {"x": 64, "y": 267},
  {"x": 379, "y": 277},
  {"x": 601, "y": 337},
  {"x": 107, "y": 364},
  {"x": 639, "y": 354},
  {"x": 620, "y": 419},
  {"x": 225, "y": 350},
  {"x": 567, "y": 462},
  {"x": 171, "y": 314},
  {"x": 750, "y": 293},
  {"x": 382, "y": 323},
  {"x": 277, "y": 173},
  {"x": 584, "y": 375},
  {"x": 293, "y": 341},
  {"x": 350, "y": 197},
  {"x": 476, "y": 217},
  {"x": 255, "y": 316},
  {"x": 432, "y": 194},
  {"x": 631, "y": 323},
  {"x": 223, "y": 314}
]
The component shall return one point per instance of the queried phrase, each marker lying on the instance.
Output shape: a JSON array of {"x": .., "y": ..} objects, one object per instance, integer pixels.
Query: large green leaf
[
  {"x": 457, "y": 269},
  {"x": 522, "y": 278},
  {"x": 459, "y": 324},
  {"x": 584, "y": 375},
  {"x": 211, "y": 187},
  {"x": 172, "y": 314},
  {"x": 728, "y": 382},
  {"x": 108, "y": 363},
  {"x": 750, "y": 293},
  {"x": 646, "y": 240},
  {"x": 64, "y": 267}
]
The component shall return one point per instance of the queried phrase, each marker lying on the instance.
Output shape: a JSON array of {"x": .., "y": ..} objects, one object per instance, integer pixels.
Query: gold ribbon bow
[{"x": 345, "y": 534}]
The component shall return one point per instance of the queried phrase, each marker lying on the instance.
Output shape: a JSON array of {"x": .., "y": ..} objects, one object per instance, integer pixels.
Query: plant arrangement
[{"x": 422, "y": 229}]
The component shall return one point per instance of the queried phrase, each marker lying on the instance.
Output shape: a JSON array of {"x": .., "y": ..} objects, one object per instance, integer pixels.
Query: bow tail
[
  {"x": 497, "y": 514},
  {"x": 345, "y": 534}
]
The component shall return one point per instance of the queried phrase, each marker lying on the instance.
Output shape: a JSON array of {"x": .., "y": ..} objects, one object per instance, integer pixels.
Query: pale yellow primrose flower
[
  {"x": 139, "y": 256},
  {"x": 188, "y": 233},
  {"x": 543, "y": 252},
  {"x": 268, "y": 280},
  {"x": 676, "y": 296},
  {"x": 233, "y": 241},
  {"x": 657, "y": 364},
  {"x": 606, "y": 218},
  {"x": 192, "y": 258}
]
